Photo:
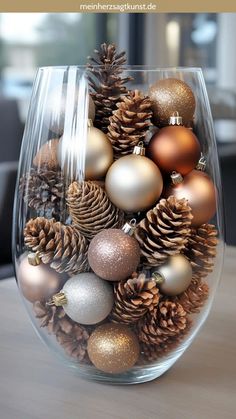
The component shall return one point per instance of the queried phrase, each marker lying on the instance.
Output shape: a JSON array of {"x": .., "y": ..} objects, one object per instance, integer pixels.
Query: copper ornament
[
  {"x": 174, "y": 148},
  {"x": 113, "y": 255},
  {"x": 47, "y": 155},
  {"x": 113, "y": 348},
  {"x": 199, "y": 190},
  {"x": 169, "y": 96}
]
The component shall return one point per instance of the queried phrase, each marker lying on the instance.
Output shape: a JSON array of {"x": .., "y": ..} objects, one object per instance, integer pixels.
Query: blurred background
[{"x": 29, "y": 40}]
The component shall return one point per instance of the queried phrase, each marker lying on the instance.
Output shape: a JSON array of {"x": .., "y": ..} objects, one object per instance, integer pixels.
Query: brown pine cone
[
  {"x": 201, "y": 250},
  {"x": 43, "y": 190},
  {"x": 194, "y": 297},
  {"x": 129, "y": 123},
  {"x": 168, "y": 319},
  {"x": 164, "y": 231},
  {"x": 106, "y": 83},
  {"x": 49, "y": 316},
  {"x": 91, "y": 210},
  {"x": 134, "y": 298},
  {"x": 61, "y": 246},
  {"x": 73, "y": 338}
]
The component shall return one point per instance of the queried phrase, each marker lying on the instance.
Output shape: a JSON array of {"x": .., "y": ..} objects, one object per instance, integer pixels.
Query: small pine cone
[
  {"x": 106, "y": 83},
  {"x": 91, "y": 210},
  {"x": 134, "y": 298},
  {"x": 73, "y": 338},
  {"x": 61, "y": 246},
  {"x": 168, "y": 319},
  {"x": 43, "y": 190},
  {"x": 201, "y": 250},
  {"x": 129, "y": 123},
  {"x": 49, "y": 316},
  {"x": 164, "y": 231},
  {"x": 194, "y": 297}
]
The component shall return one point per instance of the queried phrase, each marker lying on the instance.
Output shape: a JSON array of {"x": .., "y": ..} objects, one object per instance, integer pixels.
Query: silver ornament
[
  {"x": 86, "y": 298},
  {"x": 174, "y": 276}
]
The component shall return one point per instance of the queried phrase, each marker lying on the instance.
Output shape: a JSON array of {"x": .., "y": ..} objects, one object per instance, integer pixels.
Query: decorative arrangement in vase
[{"x": 115, "y": 228}]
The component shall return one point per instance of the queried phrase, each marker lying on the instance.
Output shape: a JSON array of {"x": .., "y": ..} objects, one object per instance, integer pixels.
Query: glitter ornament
[
  {"x": 114, "y": 254},
  {"x": 113, "y": 348}
]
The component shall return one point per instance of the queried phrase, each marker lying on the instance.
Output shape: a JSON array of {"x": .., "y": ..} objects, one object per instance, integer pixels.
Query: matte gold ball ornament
[
  {"x": 174, "y": 276},
  {"x": 114, "y": 254},
  {"x": 171, "y": 95},
  {"x": 133, "y": 182},
  {"x": 113, "y": 348}
]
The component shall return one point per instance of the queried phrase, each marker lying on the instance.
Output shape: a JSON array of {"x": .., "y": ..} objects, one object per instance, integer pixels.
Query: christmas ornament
[
  {"x": 91, "y": 210},
  {"x": 98, "y": 154},
  {"x": 43, "y": 190},
  {"x": 167, "y": 320},
  {"x": 86, "y": 298},
  {"x": 164, "y": 231},
  {"x": 174, "y": 276},
  {"x": 106, "y": 82},
  {"x": 174, "y": 148},
  {"x": 194, "y": 297},
  {"x": 134, "y": 183},
  {"x": 114, "y": 254},
  {"x": 134, "y": 298},
  {"x": 113, "y": 348},
  {"x": 47, "y": 155},
  {"x": 61, "y": 246},
  {"x": 199, "y": 190},
  {"x": 169, "y": 96},
  {"x": 37, "y": 282},
  {"x": 129, "y": 123},
  {"x": 201, "y": 250}
]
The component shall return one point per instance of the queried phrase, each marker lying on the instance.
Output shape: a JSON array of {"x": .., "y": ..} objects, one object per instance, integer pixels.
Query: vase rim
[{"x": 140, "y": 68}]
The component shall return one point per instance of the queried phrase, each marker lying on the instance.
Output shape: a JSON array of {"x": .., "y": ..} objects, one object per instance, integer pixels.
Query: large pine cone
[
  {"x": 91, "y": 210},
  {"x": 73, "y": 338},
  {"x": 106, "y": 83},
  {"x": 61, "y": 246},
  {"x": 129, "y": 123},
  {"x": 168, "y": 319},
  {"x": 134, "y": 298},
  {"x": 201, "y": 250},
  {"x": 164, "y": 231},
  {"x": 194, "y": 297},
  {"x": 43, "y": 190}
]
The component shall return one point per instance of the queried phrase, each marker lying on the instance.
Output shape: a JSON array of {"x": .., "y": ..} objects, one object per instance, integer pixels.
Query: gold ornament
[
  {"x": 134, "y": 183},
  {"x": 113, "y": 348}
]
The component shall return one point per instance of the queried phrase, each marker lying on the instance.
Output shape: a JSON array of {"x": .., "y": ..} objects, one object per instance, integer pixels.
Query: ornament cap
[
  {"x": 201, "y": 164},
  {"x": 139, "y": 149},
  {"x": 58, "y": 299},
  {"x": 129, "y": 227},
  {"x": 90, "y": 123},
  {"x": 176, "y": 119},
  {"x": 176, "y": 178},
  {"x": 157, "y": 277},
  {"x": 34, "y": 259}
]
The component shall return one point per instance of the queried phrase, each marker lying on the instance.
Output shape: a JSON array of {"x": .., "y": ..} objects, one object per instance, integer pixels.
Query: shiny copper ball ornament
[
  {"x": 113, "y": 254},
  {"x": 113, "y": 348},
  {"x": 38, "y": 283},
  {"x": 199, "y": 190},
  {"x": 134, "y": 183},
  {"x": 169, "y": 96},
  {"x": 174, "y": 148},
  {"x": 174, "y": 276}
]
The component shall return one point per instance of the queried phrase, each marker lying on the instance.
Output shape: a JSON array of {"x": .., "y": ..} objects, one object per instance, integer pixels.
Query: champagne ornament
[
  {"x": 174, "y": 148},
  {"x": 134, "y": 183},
  {"x": 85, "y": 298},
  {"x": 114, "y": 254},
  {"x": 199, "y": 190}
]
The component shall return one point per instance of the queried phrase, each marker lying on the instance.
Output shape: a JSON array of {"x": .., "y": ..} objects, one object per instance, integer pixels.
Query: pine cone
[
  {"x": 73, "y": 338},
  {"x": 168, "y": 319},
  {"x": 106, "y": 82},
  {"x": 134, "y": 298},
  {"x": 61, "y": 246},
  {"x": 129, "y": 123},
  {"x": 43, "y": 191},
  {"x": 91, "y": 210},
  {"x": 164, "y": 231},
  {"x": 194, "y": 297},
  {"x": 201, "y": 250},
  {"x": 49, "y": 316}
]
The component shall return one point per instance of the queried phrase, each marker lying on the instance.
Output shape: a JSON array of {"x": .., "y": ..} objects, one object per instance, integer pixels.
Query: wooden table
[{"x": 202, "y": 385}]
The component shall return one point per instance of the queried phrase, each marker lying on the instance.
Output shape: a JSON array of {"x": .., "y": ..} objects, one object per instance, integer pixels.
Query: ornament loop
[
  {"x": 201, "y": 164},
  {"x": 176, "y": 178},
  {"x": 175, "y": 119},
  {"x": 129, "y": 227}
]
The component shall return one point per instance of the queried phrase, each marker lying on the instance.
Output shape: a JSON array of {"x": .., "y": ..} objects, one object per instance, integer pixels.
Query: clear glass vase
[{"x": 118, "y": 254}]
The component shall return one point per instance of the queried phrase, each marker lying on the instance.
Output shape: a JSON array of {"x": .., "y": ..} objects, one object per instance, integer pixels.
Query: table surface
[{"x": 201, "y": 385}]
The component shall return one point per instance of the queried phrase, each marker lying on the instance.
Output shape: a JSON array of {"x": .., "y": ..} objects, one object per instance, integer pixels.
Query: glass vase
[{"x": 118, "y": 254}]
